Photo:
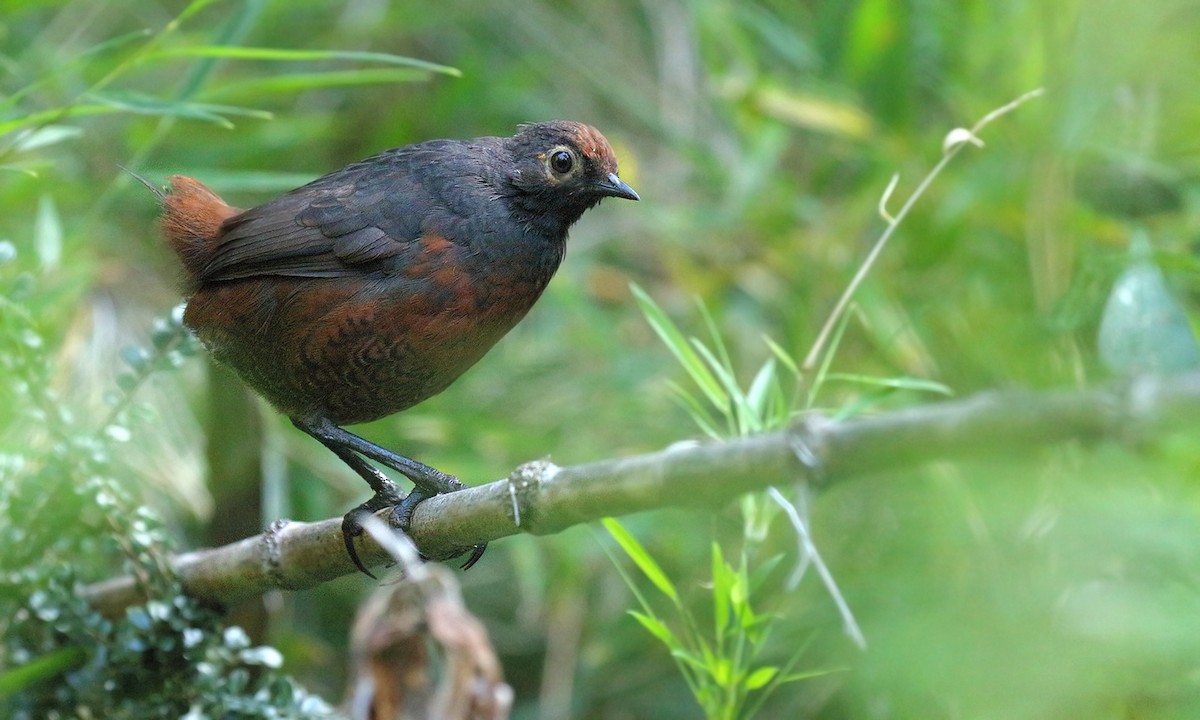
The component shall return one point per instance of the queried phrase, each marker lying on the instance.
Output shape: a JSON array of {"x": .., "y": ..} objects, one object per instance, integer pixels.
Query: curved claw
[
  {"x": 352, "y": 528},
  {"x": 401, "y": 517},
  {"x": 476, "y": 553}
]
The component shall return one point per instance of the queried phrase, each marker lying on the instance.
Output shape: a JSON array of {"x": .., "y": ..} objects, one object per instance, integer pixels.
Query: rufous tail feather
[{"x": 191, "y": 222}]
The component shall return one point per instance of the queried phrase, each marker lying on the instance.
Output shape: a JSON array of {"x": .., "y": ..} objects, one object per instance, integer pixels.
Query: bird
[{"x": 374, "y": 287}]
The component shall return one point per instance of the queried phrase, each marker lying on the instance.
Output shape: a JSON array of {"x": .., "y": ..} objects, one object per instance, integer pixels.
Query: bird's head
[{"x": 562, "y": 168}]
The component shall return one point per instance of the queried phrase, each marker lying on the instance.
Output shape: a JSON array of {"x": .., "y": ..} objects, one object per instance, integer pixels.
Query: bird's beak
[{"x": 613, "y": 186}]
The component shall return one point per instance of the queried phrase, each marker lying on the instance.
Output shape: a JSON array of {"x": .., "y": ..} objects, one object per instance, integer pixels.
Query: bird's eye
[{"x": 561, "y": 162}]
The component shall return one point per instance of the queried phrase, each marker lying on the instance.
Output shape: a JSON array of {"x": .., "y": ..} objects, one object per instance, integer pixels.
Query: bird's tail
[{"x": 191, "y": 222}]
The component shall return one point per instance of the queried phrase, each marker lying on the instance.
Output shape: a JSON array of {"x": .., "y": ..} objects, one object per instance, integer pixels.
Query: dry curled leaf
[{"x": 418, "y": 653}]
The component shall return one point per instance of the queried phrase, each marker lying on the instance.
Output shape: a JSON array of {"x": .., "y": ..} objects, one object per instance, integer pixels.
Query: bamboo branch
[{"x": 542, "y": 498}]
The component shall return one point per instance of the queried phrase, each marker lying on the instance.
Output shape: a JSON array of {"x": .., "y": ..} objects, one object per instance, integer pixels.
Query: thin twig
[
  {"x": 957, "y": 139},
  {"x": 810, "y": 555}
]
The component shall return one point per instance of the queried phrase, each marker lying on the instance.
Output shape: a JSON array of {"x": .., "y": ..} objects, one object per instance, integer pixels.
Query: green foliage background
[{"x": 760, "y": 136}]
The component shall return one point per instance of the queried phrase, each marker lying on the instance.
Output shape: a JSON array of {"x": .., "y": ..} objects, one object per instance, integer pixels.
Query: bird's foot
[
  {"x": 352, "y": 522},
  {"x": 400, "y": 517},
  {"x": 402, "y": 513}
]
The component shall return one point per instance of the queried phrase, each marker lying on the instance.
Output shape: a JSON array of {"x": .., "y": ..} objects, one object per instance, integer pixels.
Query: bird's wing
[{"x": 367, "y": 216}]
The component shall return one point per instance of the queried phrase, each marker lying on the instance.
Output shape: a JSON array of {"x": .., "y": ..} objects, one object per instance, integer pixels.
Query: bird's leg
[
  {"x": 431, "y": 480},
  {"x": 386, "y": 495},
  {"x": 427, "y": 482}
]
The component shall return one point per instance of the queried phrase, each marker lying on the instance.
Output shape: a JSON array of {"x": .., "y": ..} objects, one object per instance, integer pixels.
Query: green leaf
[
  {"x": 670, "y": 335},
  {"x": 40, "y": 137},
  {"x": 734, "y": 401},
  {"x": 297, "y": 82},
  {"x": 18, "y": 169},
  {"x": 1144, "y": 329},
  {"x": 41, "y": 668},
  {"x": 135, "y": 357},
  {"x": 127, "y": 381},
  {"x": 763, "y": 571},
  {"x": 234, "y": 52},
  {"x": 699, "y": 413},
  {"x": 757, "y": 627},
  {"x": 808, "y": 674},
  {"x": 36, "y": 119},
  {"x": 48, "y": 233},
  {"x": 783, "y": 675},
  {"x": 830, "y": 351},
  {"x": 760, "y": 391},
  {"x": 721, "y": 672},
  {"x": 714, "y": 333},
  {"x": 110, "y": 44},
  {"x": 738, "y": 592},
  {"x": 148, "y": 105},
  {"x": 656, "y": 628},
  {"x": 12, "y": 99},
  {"x": 782, "y": 355},
  {"x": 641, "y": 558},
  {"x": 720, "y": 591},
  {"x": 864, "y": 402},
  {"x": 760, "y": 677},
  {"x": 691, "y": 660},
  {"x": 894, "y": 383}
]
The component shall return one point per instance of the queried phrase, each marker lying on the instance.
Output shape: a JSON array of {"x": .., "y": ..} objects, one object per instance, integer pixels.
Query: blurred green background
[{"x": 760, "y": 135}]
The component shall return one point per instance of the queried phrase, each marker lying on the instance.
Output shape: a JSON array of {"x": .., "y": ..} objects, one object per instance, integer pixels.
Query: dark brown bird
[{"x": 374, "y": 287}]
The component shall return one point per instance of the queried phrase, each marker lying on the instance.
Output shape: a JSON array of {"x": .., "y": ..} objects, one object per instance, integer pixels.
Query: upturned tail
[{"x": 191, "y": 222}]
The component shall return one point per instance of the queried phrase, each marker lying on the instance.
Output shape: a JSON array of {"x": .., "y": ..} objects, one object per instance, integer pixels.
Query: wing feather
[{"x": 356, "y": 219}]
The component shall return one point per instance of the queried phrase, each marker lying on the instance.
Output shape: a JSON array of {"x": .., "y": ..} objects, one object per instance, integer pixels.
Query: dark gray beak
[{"x": 613, "y": 186}]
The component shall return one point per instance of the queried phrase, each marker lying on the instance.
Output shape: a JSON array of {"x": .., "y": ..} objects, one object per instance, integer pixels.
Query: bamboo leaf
[
  {"x": 760, "y": 677},
  {"x": 48, "y": 233},
  {"x": 895, "y": 383},
  {"x": 763, "y": 570},
  {"x": 13, "y": 98},
  {"x": 721, "y": 671},
  {"x": 670, "y": 335},
  {"x": 656, "y": 628},
  {"x": 297, "y": 82},
  {"x": 47, "y": 666},
  {"x": 234, "y": 52},
  {"x": 148, "y": 105},
  {"x": 699, "y": 413},
  {"x": 720, "y": 591},
  {"x": 830, "y": 352},
  {"x": 735, "y": 407},
  {"x": 34, "y": 120},
  {"x": 759, "y": 394},
  {"x": 782, "y": 355},
  {"x": 691, "y": 661},
  {"x": 641, "y": 558},
  {"x": 194, "y": 7},
  {"x": 35, "y": 138}
]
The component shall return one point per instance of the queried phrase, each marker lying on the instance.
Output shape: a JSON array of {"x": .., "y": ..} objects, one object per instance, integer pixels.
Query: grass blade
[
  {"x": 297, "y": 82},
  {"x": 670, "y": 335},
  {"x": 641, "y": 558},
  {"x": 234, "y": 52}
]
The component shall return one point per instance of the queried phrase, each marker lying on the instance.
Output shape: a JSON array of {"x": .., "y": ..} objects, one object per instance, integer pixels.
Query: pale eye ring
[{"x": 561, "y": 162}]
